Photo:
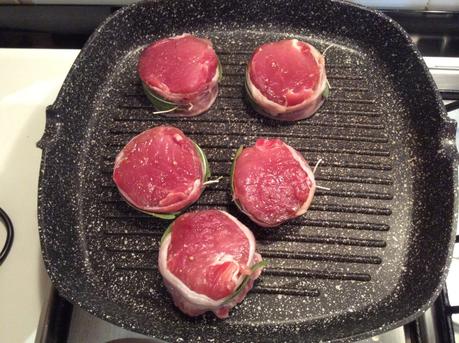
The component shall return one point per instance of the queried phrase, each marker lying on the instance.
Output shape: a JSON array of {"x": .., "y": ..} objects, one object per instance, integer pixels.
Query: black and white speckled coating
[{"x": 369, "y": 255}]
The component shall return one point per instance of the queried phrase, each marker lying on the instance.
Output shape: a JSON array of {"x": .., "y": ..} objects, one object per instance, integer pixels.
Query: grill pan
[{"x": 370, "y": 254}]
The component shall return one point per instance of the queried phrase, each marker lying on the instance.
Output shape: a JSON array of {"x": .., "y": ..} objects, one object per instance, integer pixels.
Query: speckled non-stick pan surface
[{"x": 370, "y": 254}]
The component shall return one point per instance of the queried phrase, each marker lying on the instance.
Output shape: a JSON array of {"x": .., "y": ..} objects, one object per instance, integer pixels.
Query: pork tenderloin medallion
[
  {"x": 271, "y": 182},
  {"x": 208, "y": 262},
  {"x": 286, "y": 80},
  {"x": 161, "y": 171},
  {"x": 180, "y": 75}
]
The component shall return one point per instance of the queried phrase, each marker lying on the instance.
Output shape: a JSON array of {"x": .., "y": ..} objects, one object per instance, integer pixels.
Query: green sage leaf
[
  {"x": 239, "y": 289},
  {"x": 203, "y": 158},
  {"x": 158, "y": 102},
  {"x": 166, "y": 233}
]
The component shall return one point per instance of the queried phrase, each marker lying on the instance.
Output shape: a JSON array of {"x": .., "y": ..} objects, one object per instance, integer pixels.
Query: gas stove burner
[{"x": 9, "y": 235}]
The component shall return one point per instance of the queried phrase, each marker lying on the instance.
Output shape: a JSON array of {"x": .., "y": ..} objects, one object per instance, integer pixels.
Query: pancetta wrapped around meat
[
  {"x": 271, "y": 182},
  {"x": 161, "y": 171},
  {"x": 286, "y": 80},
  {"x": 180, "y": 75},
  {"x": 208, "y": 262}
]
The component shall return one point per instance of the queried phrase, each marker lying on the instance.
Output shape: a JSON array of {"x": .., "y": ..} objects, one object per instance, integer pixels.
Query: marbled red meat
[
  {"x": 204, "y": 257},
  {"x": 286, "y": 80},
  {"x": 182, "y": 70},
  {"x": 272, "y": 182},
  {"x": 160, "y": 171}
]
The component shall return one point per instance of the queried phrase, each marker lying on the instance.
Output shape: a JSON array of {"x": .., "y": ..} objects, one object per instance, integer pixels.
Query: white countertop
[{"x": 30, "y": 80}]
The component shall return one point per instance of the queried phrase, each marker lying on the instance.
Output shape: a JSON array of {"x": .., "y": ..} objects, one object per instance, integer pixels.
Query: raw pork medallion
[
  {"x": 286, "y": 80},
  {"x": 271, "y": 182},
  {"x": 161, "y": 171},
  {"x": 208, "y": 262},
  {"x": 180, "y": 75}
]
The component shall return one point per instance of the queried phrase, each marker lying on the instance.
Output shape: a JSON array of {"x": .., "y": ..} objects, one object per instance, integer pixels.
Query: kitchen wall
[{"x": 433, "y": 5}]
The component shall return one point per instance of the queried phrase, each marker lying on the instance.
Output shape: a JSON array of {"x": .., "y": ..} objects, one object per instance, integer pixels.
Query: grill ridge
[
  {"x": 340, "y": 164},
  {"x": 361, "y": 152},
  {"x": 347, "y": 224},
  {"x": 262, "y": 289},
  {"x": 316, "y": 274},
  {"x": 284, "y": 254},
  {"x": 318, "y": 193},
  {"x": 203, "y": 119},
  {"x": 351, "y": 209},
  {"x": 361, "y": 226},
  {"x": 280, "y": 271},
  {"x": 368, "y": 138},
  {"x": 372, "y": 243},
  {"x": 320, "y": 256}
]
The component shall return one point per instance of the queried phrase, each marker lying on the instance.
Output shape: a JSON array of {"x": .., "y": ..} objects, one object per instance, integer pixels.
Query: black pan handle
[
  {"x": 452, "y": 106},
  {"x": 51, "y": 128},
  {"x": 9, "y": 235}
]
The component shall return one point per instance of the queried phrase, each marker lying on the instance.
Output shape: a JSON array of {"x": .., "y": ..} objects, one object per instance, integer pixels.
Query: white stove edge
[{"x": 30, "y": 80}]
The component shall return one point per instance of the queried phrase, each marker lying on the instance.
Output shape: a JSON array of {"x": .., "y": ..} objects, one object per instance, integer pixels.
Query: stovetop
[{"x": 437, "y": 36}]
